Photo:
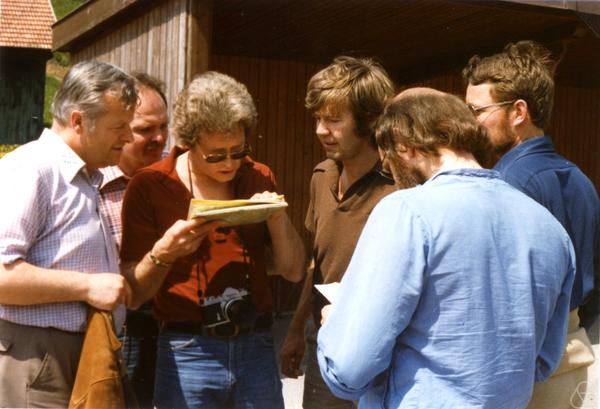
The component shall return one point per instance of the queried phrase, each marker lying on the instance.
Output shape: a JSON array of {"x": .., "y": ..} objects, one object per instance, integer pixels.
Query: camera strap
[{"x": 199, "y": 257}]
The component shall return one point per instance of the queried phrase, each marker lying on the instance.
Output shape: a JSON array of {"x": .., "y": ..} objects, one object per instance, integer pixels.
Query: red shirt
[{"x": 155, "y": 199}]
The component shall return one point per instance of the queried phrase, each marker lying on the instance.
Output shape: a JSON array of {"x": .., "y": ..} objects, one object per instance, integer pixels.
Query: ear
[
  {"x": 520, "y": 113},
  {"x": 76, "y": 121},
  {"x": 405, "y": 152}
]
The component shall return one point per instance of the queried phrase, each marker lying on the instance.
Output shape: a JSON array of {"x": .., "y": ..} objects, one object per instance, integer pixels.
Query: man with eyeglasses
[
  {"x": 511, "y": 93},
  {"x": 209, "y": 283},
  {"x": 345, "y": 98}
]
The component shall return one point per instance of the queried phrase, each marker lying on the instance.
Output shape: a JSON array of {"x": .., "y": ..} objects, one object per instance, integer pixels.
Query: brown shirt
[
  {"x": 336, "y": 224},
  {"x": 155, "y": 199}
]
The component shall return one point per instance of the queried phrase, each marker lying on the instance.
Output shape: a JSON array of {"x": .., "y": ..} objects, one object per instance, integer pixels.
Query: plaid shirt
[
  {"x": 50, "y": 219},
  {"x": 112, "y": 191}
]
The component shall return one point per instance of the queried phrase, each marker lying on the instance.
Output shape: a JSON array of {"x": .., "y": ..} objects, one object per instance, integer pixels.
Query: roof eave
[{"x": 88, "y": 19}]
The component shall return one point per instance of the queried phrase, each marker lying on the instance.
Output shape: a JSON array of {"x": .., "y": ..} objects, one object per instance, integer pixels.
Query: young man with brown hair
[
  {"x": 346, "y": 97},
  {"x": 511, "y": 93}
]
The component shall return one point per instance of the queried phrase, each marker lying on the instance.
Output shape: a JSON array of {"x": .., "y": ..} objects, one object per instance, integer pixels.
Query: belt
[
  {"x": 140, "y": 324},
  {"x": 226, "y": 330}
]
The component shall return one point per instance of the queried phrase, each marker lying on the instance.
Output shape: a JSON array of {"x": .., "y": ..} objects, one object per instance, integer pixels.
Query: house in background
[
  {"x": 25, "y": 46},
  {"x": 274, "y": 47}
]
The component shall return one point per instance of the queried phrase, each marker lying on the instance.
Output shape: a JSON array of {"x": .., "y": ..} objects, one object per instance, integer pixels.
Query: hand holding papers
[
  {"x": 236, "y": 212},
  {"x": 329, "y": 290}
]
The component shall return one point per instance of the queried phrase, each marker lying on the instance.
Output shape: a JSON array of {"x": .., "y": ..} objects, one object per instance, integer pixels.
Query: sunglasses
[{"x": 220, "y": 157}]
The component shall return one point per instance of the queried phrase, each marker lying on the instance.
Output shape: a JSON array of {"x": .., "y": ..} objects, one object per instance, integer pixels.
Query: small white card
[{"x": 330, "y": 290}]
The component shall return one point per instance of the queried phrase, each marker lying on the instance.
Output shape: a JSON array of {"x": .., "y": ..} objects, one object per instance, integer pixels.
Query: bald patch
[{"x": 418, "y": 92}]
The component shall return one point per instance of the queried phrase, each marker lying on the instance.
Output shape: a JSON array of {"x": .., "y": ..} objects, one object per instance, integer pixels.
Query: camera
[{"x": 233, "y": 306}]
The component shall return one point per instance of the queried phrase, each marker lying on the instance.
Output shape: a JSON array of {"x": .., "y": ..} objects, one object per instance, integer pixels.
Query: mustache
[{"x": 153, "y": 145}]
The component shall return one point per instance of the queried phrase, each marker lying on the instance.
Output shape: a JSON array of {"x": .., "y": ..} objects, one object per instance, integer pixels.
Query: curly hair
[
  {"x": 427, "y": 120},
  {"x": 360, "y": 84},
  {"x": 524, "y": 70},
  {"x": 212, "y": 102}
]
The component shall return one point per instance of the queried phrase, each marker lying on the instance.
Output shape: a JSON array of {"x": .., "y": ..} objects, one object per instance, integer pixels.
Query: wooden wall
[
  {"x": 22, "y": 73},
  {"x": 575, "y": 128},
  {"x": 154, "y": 42}
]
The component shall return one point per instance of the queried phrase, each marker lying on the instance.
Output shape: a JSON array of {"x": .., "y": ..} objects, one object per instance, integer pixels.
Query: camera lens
[{"x": 241, "y": 312}]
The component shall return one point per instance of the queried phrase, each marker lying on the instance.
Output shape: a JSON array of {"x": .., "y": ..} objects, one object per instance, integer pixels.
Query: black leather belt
[
  {"x": 140, "y": 324},
  {"x": 228, "y": 330}
]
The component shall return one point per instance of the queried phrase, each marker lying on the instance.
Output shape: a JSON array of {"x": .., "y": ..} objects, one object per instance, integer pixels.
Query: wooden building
[
  {"x": 25, "y": 44},
  {"x": 274, "y": 47}
]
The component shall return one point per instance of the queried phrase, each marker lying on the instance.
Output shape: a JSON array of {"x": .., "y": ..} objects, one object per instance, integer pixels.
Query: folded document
[{"x": 236, "y": 212}]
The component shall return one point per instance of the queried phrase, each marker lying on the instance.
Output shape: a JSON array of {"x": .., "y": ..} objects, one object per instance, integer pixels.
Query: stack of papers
[
  {"x": 235, "y": 212},
  {"x": 329, "y": 291}
]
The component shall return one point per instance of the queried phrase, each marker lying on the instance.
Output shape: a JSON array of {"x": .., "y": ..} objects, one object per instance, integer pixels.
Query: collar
[
  {"x": 69, "y": 163},
  {"x": 538, "y": 144},
  {"x": 111, "y": 174},
  {"x": 329, "y": 165},
  {"x": 469, "y": 172},
  {"x": 332, "y": 170}
]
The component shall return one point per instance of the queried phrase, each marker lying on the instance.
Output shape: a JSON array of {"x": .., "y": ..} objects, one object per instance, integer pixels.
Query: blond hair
[{"x": 212, "y": 102}]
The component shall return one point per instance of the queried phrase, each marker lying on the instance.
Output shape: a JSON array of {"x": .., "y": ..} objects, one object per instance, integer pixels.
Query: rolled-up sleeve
[
  {"x": 22, "y": 210},
  {"x": 378, "y": 295}
]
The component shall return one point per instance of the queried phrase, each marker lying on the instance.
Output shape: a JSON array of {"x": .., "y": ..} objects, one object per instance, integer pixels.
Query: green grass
[
  {"x": 4, "y": 149},
  {"x": 61, "y": 9},
  {"x": 52, "y": 84},
  {"x": 64, "y": 7}
]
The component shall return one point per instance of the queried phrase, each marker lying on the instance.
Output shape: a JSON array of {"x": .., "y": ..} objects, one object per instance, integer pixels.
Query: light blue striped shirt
[
  {"x": 457, "y": 296},
  {"x": 50, "y": 219}
]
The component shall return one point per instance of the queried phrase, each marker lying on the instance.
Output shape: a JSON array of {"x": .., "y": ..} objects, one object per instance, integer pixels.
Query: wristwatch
[{"x": 157, "y": 262}]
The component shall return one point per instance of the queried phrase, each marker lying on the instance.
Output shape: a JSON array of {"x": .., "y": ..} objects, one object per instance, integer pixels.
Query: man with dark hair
[
  {"x": 511, "y": 93},
  {"x": 57, "y": 256},
  {"x": 454, "y": 284},
  {"x": 150, "y": 133},
  {"x": 346, "y": 97}
]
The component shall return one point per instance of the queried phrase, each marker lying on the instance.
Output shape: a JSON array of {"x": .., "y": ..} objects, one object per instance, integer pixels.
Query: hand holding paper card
[{"x": 329, "y": 291}]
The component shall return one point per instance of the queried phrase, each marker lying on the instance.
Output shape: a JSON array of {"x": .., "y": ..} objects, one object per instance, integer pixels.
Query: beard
[
  {"x": 405, "y": 174},
  {"x": 503, "y": 140}
]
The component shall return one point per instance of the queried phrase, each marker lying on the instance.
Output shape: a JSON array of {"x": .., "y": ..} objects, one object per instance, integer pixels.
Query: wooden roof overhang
[{"x": 414, "y": 39}]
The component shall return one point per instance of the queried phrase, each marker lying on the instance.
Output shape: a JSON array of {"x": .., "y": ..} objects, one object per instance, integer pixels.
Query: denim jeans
[
  {"x": 194, "y": 371},
  {"x": 139, "y": 352},
  {"x": 316, "y": 392}
]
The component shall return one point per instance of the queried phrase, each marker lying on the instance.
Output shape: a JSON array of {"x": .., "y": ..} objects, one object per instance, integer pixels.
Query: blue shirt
[
  {"x": 457, "y": 296},
  {"x": 560, "y": 186}
]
